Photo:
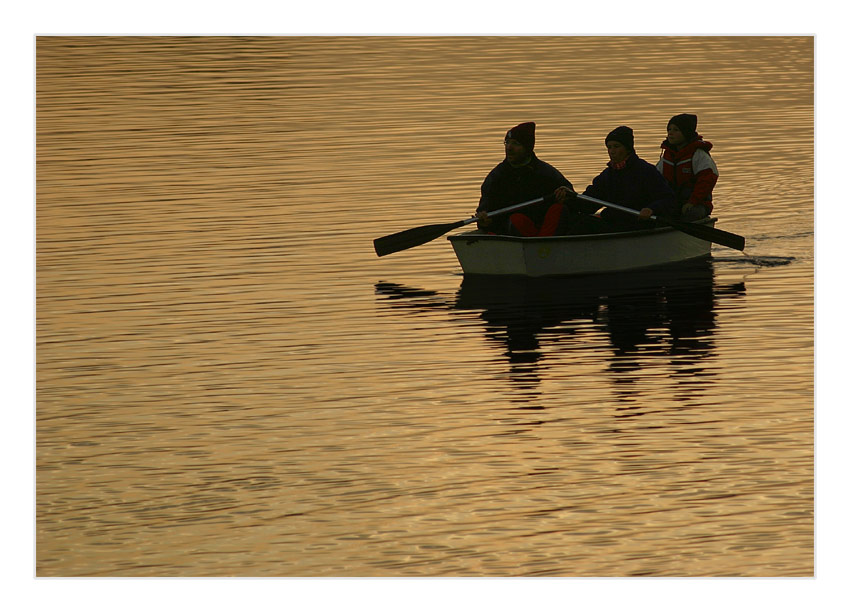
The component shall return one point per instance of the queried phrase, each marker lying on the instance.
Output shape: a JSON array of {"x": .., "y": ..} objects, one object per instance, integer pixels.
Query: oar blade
[
  {"x": 423, "y": 234},
  {"x": 406, "y": 239},
  {"x": 707, "y": 233}
]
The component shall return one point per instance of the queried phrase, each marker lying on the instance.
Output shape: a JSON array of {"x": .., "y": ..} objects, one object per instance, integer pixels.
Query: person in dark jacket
[
  {"x": 520, "y": 177},
  {"x": 630, "y": 181},
  {"x": 688, "y": 167}
]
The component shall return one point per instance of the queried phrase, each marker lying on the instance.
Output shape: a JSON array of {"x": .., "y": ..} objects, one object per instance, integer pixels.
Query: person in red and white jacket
[{"x": 688, "y": 167}]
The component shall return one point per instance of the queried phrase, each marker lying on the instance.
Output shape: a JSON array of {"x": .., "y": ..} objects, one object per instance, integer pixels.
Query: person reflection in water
[
  {"x": 688, "y": 167},
  {"x": 522, "y": 176},
  {"x": 652, "y": 317},
  {"x": 629, "y": 181}
]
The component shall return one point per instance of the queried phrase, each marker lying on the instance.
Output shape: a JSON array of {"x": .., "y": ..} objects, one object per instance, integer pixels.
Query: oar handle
[
  {"x": 704, "y": 232},
  {"x": 619, "y": 207},
  {"x": 543, "y": 199},
  {"x": 414, "y": 237}
]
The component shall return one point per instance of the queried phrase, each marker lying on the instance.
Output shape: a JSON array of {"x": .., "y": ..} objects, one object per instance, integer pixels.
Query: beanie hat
[
  {"x": 623, "y": 135},
  {"x": 686, "y": 123},
  {"x": 524, "y": 134}
]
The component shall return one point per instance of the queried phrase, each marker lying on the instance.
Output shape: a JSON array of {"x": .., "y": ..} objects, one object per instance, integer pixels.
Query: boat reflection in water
[{"x": 625, "y": 317}]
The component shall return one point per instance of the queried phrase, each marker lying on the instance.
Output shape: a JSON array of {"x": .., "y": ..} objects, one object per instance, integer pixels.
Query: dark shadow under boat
[
  {"x": 484, "y": 291},
  {"x": 669, "y": 309}
]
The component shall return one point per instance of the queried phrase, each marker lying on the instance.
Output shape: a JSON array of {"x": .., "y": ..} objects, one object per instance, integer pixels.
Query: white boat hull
[{"x": 486, "y": 254}]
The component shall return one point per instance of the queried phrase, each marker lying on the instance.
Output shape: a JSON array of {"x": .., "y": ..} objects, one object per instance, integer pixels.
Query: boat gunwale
[{"x": 474, "y": 234}]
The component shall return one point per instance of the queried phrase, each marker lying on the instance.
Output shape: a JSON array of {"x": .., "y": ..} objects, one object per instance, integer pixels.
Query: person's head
[
  {"x": 519, "y": 143},
  {"x": 681, "y": 129},
  {"x": 620, "y": 143}
]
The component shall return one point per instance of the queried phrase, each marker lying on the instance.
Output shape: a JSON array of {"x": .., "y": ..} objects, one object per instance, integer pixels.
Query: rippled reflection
[{"x": 668, "y": 311}]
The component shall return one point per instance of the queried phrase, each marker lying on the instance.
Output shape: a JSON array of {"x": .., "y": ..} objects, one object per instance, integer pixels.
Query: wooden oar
[
  {"x": 406, "y": 239},
  {"x": 705, "y": 232}
]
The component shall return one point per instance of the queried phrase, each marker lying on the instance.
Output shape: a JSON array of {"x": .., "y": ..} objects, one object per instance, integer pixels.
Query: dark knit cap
[
  {"x": 623, "y": 135},
  {"x": 686, "y": 123},
  {"x": 524, "y": 134}
]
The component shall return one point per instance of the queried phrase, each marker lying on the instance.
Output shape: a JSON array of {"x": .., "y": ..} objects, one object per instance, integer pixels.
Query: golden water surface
[{"x": 231, "y": 383}]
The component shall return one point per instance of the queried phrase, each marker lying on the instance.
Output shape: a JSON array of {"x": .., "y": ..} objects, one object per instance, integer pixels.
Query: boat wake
[{"x": 765, "y": 261}]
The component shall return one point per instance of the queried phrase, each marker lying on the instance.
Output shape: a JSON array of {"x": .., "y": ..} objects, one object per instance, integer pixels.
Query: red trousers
[{"x": 549, "y": 226}]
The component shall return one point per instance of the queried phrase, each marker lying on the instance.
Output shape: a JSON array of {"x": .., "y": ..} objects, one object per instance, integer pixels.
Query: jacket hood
[{"x": 696, "y": 143}]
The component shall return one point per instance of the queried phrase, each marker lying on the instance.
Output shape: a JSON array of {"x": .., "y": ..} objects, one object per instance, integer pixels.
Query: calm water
[{"x": 231, "y": 383}]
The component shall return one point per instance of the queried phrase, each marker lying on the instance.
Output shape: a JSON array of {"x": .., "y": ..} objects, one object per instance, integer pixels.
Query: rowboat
[{"x": 480, "y": 253}]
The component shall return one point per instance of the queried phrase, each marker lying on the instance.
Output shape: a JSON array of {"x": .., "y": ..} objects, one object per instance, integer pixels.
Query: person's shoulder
[
  {"x": 703, "y": 147},
  {"x": 647, "y": 171},
  {"x": 698, "y": 144},
  {"x": 701, "y": 159},
  {"x": 497, "y": 170},
  {"x": 642, "y": 164},
  {"x": 603, "y": 175},
  {"x": 545, "y": 167},
  {"x": 536, "y": 162}
]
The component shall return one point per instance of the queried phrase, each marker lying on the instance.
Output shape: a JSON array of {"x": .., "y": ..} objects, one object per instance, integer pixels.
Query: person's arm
[
  {"x": 597, "y": 189},
  {"x": 564, "y": 189},
  {"x": 485, "y": 203},
  {"x": 562, "y": 181},
  {"x": 705, "y": 178},
  {"x": 663, "y": 200},
  {"x": 557, "y": 182},
  {"x": 484, "y": 220}
]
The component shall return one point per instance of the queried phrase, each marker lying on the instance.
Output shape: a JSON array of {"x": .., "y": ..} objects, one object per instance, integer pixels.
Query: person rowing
[
  {"x": 520, "y": 177},
  {"x": 627, "y": 188},
  {"x": 629, "y": 181}
]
